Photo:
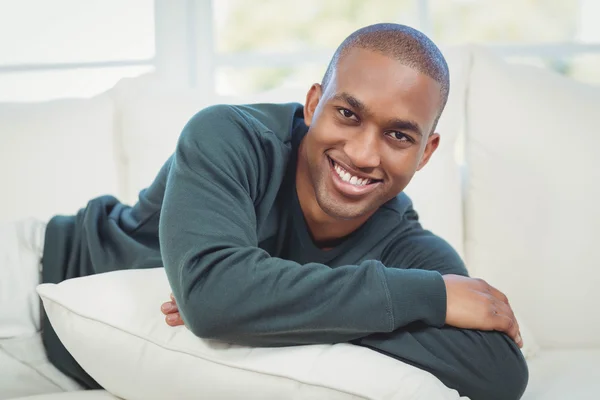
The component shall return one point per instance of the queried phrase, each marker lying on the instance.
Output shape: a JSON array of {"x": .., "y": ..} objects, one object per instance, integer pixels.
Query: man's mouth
[
  {"x": 349, "y": 184},
  {"x": 348, "y": 177}
]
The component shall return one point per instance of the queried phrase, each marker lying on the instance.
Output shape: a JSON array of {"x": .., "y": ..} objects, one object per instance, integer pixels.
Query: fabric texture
[
  {"x": 150, "y": 360},
  {"x": 532, "y": 196}
]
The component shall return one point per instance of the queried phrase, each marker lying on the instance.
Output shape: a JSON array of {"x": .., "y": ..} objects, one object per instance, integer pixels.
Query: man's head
[{"x": 372, "y": 120}]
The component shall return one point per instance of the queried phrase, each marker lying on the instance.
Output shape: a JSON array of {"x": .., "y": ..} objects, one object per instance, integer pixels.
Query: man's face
[{"x": 369, "y": 132}]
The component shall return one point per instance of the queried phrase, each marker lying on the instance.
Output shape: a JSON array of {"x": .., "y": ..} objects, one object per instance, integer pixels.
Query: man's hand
[
  {"x": 171, "y": 311},
  {"x": 474, "y": 304}
]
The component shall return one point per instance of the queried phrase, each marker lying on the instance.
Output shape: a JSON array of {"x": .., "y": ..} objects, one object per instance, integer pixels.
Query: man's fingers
[
  {"x": 506, "y": 323},
  {"x": 171, "y": 311},
  {"x": 169, "y": 308},
  {"x": 507, "y": 310},
  {"x": 174, "y": 319}
]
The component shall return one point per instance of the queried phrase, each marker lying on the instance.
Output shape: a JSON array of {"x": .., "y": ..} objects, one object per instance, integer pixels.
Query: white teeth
[{"x": 346, "y": 177}]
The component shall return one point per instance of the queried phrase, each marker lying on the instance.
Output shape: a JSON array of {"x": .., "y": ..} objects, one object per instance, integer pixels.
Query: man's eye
[
  {"x": 346, "y": 113},
  {"x": 399, "y": 136}
]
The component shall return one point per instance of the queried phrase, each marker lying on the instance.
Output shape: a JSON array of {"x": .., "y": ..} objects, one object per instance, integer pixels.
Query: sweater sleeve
[
  {"x": 228, "y": 288},
  {"x": 478, "y": 364}
]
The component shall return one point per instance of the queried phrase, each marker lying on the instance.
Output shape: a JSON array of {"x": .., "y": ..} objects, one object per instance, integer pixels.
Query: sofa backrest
[
  {"x": 532, "y": 195},
  {"x": 55, "y": 156}
]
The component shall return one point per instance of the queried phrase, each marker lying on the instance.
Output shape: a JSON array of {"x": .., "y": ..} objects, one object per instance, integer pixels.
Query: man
[{"x": 283, "y": 225}]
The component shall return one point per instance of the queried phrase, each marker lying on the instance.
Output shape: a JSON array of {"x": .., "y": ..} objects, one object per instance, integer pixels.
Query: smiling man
[
  {"x": 283, "y": 224},
  {"x": 311, "y": 239}
]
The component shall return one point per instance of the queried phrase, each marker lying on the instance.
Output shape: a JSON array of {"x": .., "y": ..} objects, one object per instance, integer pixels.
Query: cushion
[
  {"x": 26, "y": 371},
  {"x": 55, "y": 156},
  {"x": 112, "y": 325},
  {"x": 81, "y": 395},
  {"x": 532, "y": 197},
  {"x": 564, "y": 374}
]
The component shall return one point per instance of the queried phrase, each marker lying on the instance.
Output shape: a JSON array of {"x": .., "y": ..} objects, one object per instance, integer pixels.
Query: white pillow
[
  {"x": 112, "y": 325},
  {"x": 532, "y": 214},
  {"x": 55, "y": 156}
]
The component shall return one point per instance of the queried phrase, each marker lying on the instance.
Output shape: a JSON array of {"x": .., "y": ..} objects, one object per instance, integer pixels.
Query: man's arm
[
  {"x": 479, "y": 364},
  {"x": 226, "y": 287},
  {"x": 229, "y": 289}
]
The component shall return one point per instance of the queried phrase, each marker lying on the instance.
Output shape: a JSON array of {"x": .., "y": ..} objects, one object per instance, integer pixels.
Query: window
[
  {"x": 274, "y": 26},
  {"x": 583, "y": 67},
  {"x": 243, "y": 47},
  {"x": 507, "y": 21},
  {"x": 72, "y": 48},
  {"x": 261, "y": 45}
]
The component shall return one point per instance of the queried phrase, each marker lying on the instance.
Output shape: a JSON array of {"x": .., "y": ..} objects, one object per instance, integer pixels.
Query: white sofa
[{"x": 513, "y": 187}]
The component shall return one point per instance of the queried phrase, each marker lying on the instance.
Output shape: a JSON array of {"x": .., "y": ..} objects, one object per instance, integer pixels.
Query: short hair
[{"x": 403, "y": 43}]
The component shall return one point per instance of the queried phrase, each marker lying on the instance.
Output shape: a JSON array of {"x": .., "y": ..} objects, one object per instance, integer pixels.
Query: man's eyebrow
[
  {"x": 400, "y": 124},
  {"x": 406, "y": 125},
  {"x": 352, "y": 101}
]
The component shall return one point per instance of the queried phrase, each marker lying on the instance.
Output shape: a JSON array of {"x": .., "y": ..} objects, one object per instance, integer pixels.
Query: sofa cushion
[
  {"x": 55, "y": 156},
  {"x": 564, "y": 374},
  {"x": 533, "y": 191},
  {"x": 81, "y": 395},
  {"x": 112, "y": 325},
  {"x": 26, "y": 371}
]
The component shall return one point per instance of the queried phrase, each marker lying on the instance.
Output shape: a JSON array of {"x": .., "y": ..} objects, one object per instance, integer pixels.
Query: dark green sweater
[{"x": 224, "y": 220}]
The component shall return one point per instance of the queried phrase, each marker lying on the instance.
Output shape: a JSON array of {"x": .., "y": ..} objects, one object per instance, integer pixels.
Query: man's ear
[
  {"x": 312, "y": 100},
  {"x": 433, "y": 141}
]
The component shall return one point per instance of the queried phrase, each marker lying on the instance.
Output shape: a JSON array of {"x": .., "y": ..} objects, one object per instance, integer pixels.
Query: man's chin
[{"x": 341, "y": 210}]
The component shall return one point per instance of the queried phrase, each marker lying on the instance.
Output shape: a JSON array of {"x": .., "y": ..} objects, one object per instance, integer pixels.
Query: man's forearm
[
  {"x": 278, "y": 303},
  {"x": 478, "y": 364}
]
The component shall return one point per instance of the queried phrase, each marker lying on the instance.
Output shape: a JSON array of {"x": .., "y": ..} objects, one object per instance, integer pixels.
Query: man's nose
[{"x": 363, "y": 149}]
